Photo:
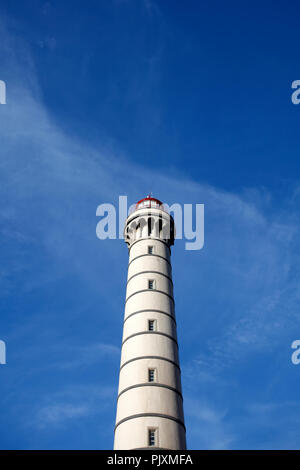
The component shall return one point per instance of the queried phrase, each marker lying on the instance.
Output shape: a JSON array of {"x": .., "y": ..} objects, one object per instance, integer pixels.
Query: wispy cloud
[
  {"x": 207, "y": 425},
  {"x": 60, "y": 412},
  {"x": 75, "y": 402},
  {"x": 90, "y": 354}
]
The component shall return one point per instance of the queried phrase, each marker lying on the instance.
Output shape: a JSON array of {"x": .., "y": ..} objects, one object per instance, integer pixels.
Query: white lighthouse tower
[{"x": 149, "y": 407}]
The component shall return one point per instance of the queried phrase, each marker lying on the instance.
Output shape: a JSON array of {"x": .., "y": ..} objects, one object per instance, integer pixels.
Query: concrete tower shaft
[{"x": 149, "y": 407}]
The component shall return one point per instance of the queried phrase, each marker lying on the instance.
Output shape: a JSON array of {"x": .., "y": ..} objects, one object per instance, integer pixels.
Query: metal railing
[{"x": 148, "y": 205}]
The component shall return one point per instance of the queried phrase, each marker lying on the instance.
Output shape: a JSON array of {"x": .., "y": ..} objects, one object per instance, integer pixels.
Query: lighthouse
[{"x": 149, "y": 404}]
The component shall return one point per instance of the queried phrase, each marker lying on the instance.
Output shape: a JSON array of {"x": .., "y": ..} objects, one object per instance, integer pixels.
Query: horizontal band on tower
[
  {"x": 161, "y": 358},
  {"x": 150, "y": 448},
  {"x": 150, "y": 290},
  {"x": 150, "y": 238},
  {"x": 151, "y": 333},
  {"x": 148, "y": 254},
  {"x": 150, "y": 310},
  {"x": 150, "y": 415},
  {"x": 150, "y": 272},
  {"x": 150, "y": 384}
]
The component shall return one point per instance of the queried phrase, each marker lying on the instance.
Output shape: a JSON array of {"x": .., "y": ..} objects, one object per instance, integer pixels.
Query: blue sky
[{"x": 194, "y": 104}]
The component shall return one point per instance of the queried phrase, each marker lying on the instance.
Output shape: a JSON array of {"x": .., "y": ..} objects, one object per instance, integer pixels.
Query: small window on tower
[
  {"x": 151, "y": 375},
  {"x": 151, "y": 284},
  {"x": 150, "y": 250},
  {"x": 151, "y": 325},
  {"x": 151, "y": 437}
]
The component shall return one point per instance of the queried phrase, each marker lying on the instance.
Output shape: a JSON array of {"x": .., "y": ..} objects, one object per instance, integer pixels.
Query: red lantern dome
[{"x": 149, "y": 201}]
